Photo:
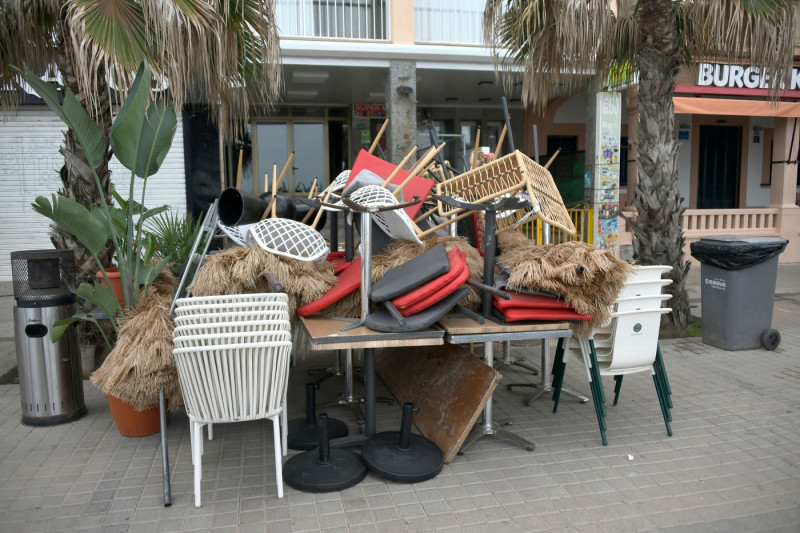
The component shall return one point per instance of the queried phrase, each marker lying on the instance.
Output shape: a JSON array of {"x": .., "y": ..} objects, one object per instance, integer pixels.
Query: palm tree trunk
[
  {"x": 76, "y": 175},
  {"x": 658, "y": 237}
]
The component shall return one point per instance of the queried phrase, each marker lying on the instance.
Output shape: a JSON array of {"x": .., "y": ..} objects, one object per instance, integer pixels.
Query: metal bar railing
[
  {"x": 582, "y": 218},
  {"x": 332, "y": 19}
]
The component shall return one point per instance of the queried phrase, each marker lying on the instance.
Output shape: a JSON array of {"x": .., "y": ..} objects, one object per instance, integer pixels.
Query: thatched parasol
[
  {"x": 241, "y": 271},
  {"x": 141, "y": 361},
  {"x": 590, "y": 279}
]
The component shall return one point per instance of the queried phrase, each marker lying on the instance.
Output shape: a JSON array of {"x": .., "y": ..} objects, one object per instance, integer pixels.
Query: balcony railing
[
  {"x": 449, "y": 21},
  {"x": 332, "y": 19},
  {"x": 750, "y": 221}
]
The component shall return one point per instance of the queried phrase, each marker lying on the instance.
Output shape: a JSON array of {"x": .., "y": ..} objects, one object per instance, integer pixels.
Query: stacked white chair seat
[
  {"x": 627, "y": 344},
  {"x": 232, "y": 354}
]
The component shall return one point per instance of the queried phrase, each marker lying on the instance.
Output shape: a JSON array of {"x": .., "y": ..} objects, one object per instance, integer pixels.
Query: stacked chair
[
  {"x": 232, "y": 354},
  {"x": 627, "y": 344},
  {"x": 418, "y": 293}
]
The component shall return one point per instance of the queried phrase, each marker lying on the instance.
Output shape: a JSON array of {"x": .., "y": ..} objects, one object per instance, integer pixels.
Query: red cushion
[
  {"x": 517, "y": 314},
  {"x": 337, "y": 259},
  {"x": 530, "y": 301},
  {"x": 435, "y": 290},
  {"x": 349, "y": 280},
  {"x": 419, "y": 187}
]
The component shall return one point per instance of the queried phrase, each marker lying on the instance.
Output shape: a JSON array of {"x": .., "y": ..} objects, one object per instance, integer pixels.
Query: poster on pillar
[{"x": 605, "y": 175}]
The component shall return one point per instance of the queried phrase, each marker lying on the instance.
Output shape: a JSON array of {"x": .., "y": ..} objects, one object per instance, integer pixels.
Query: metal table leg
[{"x": 489, "y": 427}]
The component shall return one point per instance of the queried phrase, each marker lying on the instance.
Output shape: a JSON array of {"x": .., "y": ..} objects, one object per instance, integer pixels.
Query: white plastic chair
[
  {"x": 633, "y": 348},
  {"x": 237, "y": 234},
  {"x": 234, "y": 383},
  {"x": 290, "y": 238}
]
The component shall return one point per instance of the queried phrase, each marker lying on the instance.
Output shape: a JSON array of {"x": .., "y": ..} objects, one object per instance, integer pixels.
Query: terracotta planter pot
[
  {"x": 116, "y": 283},
  {"x": 133, "y": 423}
]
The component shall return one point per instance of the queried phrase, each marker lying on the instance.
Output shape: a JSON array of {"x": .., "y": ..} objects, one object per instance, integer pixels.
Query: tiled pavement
[{"x": 733, "y": 463}]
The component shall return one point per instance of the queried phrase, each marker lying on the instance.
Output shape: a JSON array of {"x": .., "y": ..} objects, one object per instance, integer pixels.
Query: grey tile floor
[{"x": 733, "y": 463}]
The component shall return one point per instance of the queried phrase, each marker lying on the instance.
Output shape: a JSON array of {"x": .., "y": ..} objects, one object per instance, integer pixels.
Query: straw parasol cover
[
  {"x": 590, "y": 279},
  {"x": 241, "y": 270},
  {"x": 141, "y": 361}
]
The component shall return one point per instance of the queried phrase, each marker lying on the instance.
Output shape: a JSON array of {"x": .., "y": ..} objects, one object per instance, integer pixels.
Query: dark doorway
[{"x": 720, "y": 167}]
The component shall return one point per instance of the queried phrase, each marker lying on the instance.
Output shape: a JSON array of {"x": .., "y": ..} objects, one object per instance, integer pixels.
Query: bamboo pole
[
  {"x": 475, "y": 150},
  {"x": 552, "y": 158},
  {"x": 500, "y": 142},
  {"x": 274, "y": 201},
  {"x": 378, "y": 137},
  {"x": 398, "y": 167},
  {"x": 239, "y": 168},
  {"x": 430, "y": 154}
]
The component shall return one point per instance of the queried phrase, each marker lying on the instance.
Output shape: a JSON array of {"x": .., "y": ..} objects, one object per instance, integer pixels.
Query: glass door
[{"x": 276, "y": 141}]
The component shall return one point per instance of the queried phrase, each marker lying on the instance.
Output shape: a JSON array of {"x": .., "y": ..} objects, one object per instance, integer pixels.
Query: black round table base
[
  {"x": 422, "y": 461},
  {"x": 303, "y": 436},
  {"x": 305, "y": 472}
]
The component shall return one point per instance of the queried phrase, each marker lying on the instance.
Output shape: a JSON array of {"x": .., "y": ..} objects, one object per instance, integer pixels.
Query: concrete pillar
[
  {"x": 783, "y": 191},
  {"x": 401, "y": 109},
  {"x": 603, "y": 127}
]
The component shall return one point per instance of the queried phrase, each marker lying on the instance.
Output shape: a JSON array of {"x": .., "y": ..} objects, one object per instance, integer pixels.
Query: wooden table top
[
  {"x": 459, "y": 328},
  {"x": 326, "y": 334}
]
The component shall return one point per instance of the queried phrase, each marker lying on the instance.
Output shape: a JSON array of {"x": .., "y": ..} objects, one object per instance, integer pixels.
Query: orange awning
[{"x": 728, "y": 106}]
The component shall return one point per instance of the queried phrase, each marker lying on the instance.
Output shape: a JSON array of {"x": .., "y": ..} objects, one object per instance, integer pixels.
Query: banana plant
[{"x": 140, "y": 137}]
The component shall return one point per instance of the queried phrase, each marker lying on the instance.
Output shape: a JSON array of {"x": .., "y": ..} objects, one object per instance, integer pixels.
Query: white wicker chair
[
  {"x": 234, "y": 383},
  {"x": 221, "y": 315},
  {"x": 234, "y": 298}
]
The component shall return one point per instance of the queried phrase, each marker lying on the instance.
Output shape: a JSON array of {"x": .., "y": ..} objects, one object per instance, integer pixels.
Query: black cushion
[
  {"x": 385, "y": 322},
  {"x": 411, "y": 274}
]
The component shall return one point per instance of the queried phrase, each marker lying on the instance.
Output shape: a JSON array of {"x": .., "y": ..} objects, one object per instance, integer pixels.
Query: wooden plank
[
  {"x": 462, "y": 325},
  {"x": 449, "y": 386},
  {"x": 327, "y": 334}
]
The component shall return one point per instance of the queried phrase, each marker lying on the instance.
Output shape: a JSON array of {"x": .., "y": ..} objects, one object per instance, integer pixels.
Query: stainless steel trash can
[
  {"x": 737, "y": 292},
  {"x": 50, "y": 380}
]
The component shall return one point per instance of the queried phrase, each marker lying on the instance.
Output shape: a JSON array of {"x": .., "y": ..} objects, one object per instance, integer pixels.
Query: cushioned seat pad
[
  {"x": 349, "y": 280},
  {"x": 530, "y": 301},
  {"x": 411, "y": 274},
  {"x": 456, "y": 264},
  {"x": 519, "y": 314},
  {"x": 385, "y": 322},
  {"x": 429, "y": 299}
]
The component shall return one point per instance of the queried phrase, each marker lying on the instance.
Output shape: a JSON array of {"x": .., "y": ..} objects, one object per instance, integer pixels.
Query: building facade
[{"x": 350, "y": 64}]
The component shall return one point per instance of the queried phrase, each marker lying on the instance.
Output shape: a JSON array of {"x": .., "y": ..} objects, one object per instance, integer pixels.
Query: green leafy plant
[
  {"x": 141, "y": 136},
  {"x": 174, "y": 235}
]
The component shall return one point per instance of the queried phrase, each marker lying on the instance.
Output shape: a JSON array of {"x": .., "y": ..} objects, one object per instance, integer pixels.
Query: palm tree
[
  {"x": 552, "y": 40},
  {"x": 224, "y": 51}
]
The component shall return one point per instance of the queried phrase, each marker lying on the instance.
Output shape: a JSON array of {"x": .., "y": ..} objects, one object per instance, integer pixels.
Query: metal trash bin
[
  {"x": 50, "y": 379},
  {"x": 737, "y": 291}
]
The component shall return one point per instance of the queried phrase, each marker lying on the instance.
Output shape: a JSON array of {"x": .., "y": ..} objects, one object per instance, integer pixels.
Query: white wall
[{"x": 29, "y": 166}]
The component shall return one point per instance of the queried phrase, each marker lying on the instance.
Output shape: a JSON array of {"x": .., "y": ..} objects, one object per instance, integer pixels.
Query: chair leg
[
  {"x": 284, "y": 431},
  {"x": 617, "y": 387},
  {"x": 559, "y": 368},
  {"x": 197, "y": 458},
  {"x": 587, "y": 350},
  {"x": 661, "y": 370},
  {"x": 662, "y": 402},
  {"x": 276, "y": 432}
]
